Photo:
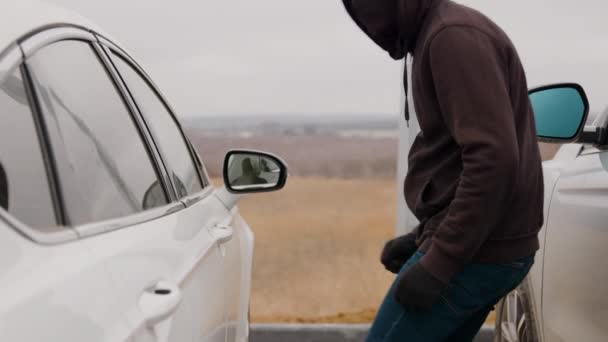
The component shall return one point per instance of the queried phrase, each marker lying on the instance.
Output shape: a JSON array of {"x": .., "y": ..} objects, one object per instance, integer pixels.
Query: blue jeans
[{"x": 461, "y": 311}]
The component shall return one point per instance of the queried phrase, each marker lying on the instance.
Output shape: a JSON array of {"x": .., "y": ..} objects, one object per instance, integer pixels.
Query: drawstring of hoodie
[
  {"x": 406, "y": 87},
  {"x": 409, "y": 45}
]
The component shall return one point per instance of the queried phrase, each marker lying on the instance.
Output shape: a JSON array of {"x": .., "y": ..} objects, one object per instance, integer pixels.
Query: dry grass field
[
  {"x": 318, "y": 241},
  {"x": 317, "y": 248}
]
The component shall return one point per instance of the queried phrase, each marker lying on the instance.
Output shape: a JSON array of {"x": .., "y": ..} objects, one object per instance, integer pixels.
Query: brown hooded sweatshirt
[{"x": 475, "y": 177}]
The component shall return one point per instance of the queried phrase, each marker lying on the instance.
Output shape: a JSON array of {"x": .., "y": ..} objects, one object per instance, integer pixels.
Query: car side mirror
[
  {"x": 560, "y": 111},
  {"x": 251, "y": 171}
]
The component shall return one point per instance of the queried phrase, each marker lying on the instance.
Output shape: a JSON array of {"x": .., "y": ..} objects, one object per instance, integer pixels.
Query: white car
[
  {"x": 565, "y": 297},
  {"x": 109, "y": 227}
]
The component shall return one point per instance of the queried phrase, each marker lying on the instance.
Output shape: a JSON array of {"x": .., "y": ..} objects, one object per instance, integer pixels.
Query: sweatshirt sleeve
[{"x": 472, "y": 90}]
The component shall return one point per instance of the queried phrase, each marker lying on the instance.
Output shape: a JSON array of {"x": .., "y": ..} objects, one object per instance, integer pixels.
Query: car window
[
  {"x": 104, "y": 167},
  {"x": 169, "y": 137},
  {"x": 24, "y": 186}
]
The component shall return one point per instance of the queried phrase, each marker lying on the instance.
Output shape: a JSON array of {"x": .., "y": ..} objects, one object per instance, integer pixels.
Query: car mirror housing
[
  {"x": 247, "y": 171},
  {"x": 593, "y": 135},
  {"x": 560, "y": 112}
]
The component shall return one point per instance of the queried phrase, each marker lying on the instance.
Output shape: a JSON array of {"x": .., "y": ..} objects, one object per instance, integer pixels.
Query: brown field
[
  {"x": 320, "y": 264},
  {"x": 318, "y": 241},
  {"x": 317, "y": 249}
]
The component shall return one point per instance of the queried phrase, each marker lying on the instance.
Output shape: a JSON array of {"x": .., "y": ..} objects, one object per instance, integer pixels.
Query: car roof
[{"x": 24, "y": 17}]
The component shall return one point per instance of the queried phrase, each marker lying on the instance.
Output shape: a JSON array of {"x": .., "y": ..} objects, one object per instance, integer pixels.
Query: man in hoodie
[{"x": 474, "y": 179}]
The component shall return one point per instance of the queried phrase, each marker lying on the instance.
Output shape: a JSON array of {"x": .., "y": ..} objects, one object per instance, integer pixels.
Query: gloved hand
[
  {"x": 417, "y": 289},
  {"x": 397, "y": 251}
]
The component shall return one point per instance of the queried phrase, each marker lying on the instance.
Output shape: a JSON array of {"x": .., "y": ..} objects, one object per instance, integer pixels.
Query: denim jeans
[{"x": 460, "y": 312}]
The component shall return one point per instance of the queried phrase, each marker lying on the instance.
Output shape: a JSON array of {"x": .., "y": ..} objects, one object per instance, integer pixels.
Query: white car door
[
  {"x": 234, "y": 238},
  {"x": 575, "y": 299},
  {"x": 169, "y": 273},
  {"x": 50, "y": 291},
  {"x": 204, "y": 226},
  {"x": 154, "y": 236},
  {"x": 239, "y": 262}
]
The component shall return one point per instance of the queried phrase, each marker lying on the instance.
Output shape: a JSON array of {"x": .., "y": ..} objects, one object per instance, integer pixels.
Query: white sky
[{"x": 286, "y": 56}]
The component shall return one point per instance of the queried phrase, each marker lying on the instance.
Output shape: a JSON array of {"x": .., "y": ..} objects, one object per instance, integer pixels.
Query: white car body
[
  {"x": 180, "y": 272},
  {"x": 568, "y": 280}
]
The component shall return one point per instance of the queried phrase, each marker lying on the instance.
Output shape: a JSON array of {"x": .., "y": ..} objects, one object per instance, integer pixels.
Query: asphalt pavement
[{"x": 325, "y": 333}]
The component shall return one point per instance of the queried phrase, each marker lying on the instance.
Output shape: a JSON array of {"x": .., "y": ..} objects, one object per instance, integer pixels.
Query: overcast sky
[{"x": 285, "y": 56}]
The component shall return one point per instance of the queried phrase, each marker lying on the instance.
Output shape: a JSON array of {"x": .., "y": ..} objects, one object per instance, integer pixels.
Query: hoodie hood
[{"x": 392, "y": 24}]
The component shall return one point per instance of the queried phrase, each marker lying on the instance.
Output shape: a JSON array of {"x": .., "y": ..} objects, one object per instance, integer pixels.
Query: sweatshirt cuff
[{"x": 440, "y": 265}]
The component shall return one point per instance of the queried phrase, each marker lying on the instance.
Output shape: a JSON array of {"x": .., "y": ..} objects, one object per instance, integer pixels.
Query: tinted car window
[
  {"x": 24, "y": 186},
  {"x": 168, "y": 136},
  {"x": 104, "y": 167}
]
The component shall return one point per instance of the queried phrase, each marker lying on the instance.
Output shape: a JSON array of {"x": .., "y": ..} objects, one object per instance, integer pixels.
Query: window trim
[
  {"x": 142, "y": 127},
  {"x": 107, "y": 226},
  {"x": 48, "y": 154},
  {"x": 52, "y": 238},
  {"x": 17, "y": 55},
  {"x": 117, "y": 78},
  {"x": 110, "y": 48},
  {"x": 12, "y": 59},
  {"x": 139, "y": 70},
  {"x": 32, "y": 43}
]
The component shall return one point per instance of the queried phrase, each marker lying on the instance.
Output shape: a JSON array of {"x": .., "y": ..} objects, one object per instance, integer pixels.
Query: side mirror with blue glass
[{"x": 560, "y": 111}]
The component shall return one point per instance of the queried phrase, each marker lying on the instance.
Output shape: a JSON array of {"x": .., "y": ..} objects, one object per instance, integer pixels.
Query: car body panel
[
  {"x": 55, "y": 293},
  {"x": 179, "y": 249},
  {"x": 574, "y": 265},
  {"x": 91, "y": 282},
  {"x": 536, "y": 272},
  {"x": 551, "y": 173},
  {"x": 239, "y": 264}
]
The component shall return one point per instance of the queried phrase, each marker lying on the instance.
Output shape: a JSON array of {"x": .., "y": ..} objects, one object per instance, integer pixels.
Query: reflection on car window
[
  {"x": 104, "y": 168},
  {"x": 154, "y": 196},
  {"x": 24, "y": 188},
  {"x": 249, "y": 175},
  {"x": 168, "y": 136}
]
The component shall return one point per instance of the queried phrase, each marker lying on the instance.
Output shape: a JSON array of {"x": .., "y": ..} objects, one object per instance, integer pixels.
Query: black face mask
[
  {"x": 380, "y": 20},
  {"x": 391, "y": 24}
]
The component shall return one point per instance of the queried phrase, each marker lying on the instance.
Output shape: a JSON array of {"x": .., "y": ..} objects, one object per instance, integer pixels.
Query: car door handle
[
  {"x": 159, "y": 302},
  {"x": 222, "y": 233}
]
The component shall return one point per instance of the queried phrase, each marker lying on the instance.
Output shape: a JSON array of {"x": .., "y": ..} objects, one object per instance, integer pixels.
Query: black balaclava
[{"x": 393, "y": 25}]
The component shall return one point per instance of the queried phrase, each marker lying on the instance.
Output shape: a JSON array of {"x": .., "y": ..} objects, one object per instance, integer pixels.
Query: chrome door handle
[{"x": 222, "y": 233}]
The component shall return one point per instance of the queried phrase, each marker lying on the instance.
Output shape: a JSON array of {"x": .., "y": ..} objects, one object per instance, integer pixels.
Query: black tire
[{"x": 515, "y": 316}]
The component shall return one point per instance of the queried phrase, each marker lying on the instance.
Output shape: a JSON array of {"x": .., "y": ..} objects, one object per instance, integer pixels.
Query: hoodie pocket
[{"x": 424, "y": 207}]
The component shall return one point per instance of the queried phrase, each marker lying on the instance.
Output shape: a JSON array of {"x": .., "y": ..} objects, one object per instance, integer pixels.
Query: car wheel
[{"x": 515, "y": 321}]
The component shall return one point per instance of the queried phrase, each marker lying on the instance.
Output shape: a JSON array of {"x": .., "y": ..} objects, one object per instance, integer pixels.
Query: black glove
[
  {"x": 417, "y": 289},
  {"x": 397, "y": 251}
]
